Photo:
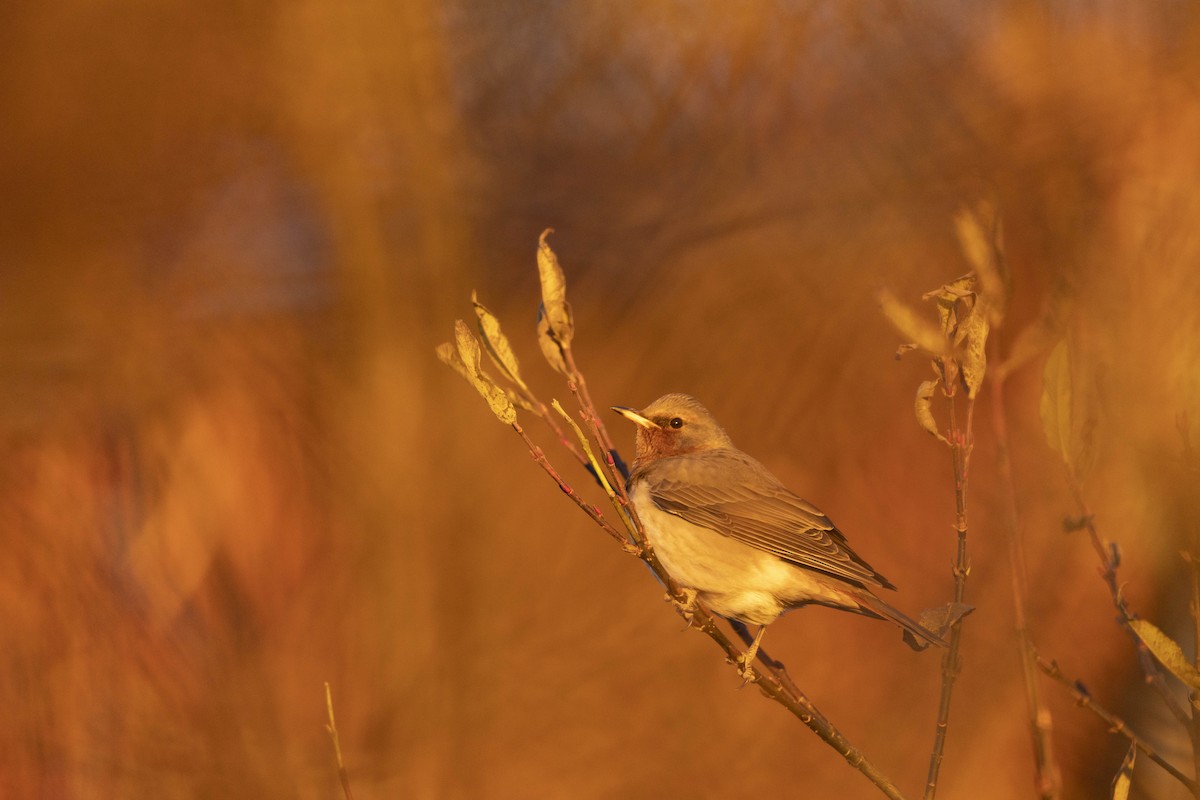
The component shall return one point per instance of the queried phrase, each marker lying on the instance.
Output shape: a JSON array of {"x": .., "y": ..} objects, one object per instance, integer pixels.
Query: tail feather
[{"x": 921, "y": 637}]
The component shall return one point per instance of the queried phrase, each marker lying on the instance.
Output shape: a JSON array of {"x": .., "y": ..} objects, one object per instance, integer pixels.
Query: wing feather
[{"x": 731, "y": 493}]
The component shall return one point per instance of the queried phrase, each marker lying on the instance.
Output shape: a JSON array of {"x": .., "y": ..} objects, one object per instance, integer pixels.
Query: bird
[{"x": 730, "y": 534}]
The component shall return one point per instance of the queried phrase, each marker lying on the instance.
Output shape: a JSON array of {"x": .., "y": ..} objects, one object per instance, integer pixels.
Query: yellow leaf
[
  {"x": 496, "y": 342},
  {"x": 448, "y": 355},
  {"x": 973, "y": 357},
  {"x": 1069, "y": 408},
  {"x": 551, "y": 349},
  {"x": 924, "y": 408},
  {"x": 911, "y": 325},
  {"x": 979, "y": 237},
  {"x": 1124, "y": 779},
  {"x": 1168, "y": 652},
  {"x": 469, "y": 354},
  {"x": 554, "y": 293}
]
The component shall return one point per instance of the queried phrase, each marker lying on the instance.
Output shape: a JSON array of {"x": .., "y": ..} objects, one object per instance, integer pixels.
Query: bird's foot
[
  {"x": 687, "y": 606},
  {"x": 745, "y": 668},
  {"x": 745, "y": 662}
]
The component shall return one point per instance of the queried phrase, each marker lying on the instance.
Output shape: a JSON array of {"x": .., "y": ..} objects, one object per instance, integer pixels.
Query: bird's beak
[{"x": 634, "y": 416}]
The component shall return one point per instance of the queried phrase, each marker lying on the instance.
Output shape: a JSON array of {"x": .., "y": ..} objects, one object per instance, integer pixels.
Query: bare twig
[
  {"x": 774, "y": 682},
  {"x": 1049, "y": 779},
  {"x": 1115, "y": 723},
  {"x": 591, "y": 510},
  {"x": 1109, "y": 562},
  {"x": 1192, "y": 465},
  {"x": 961, "y": 443},
  {"x": 343, "y": 776}
]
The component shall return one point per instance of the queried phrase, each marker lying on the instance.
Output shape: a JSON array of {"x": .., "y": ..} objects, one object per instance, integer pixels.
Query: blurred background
[{"x": 231, "y": 235}]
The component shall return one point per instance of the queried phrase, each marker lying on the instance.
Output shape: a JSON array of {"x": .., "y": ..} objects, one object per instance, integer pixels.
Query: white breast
[{"x": 734, "y": 579}]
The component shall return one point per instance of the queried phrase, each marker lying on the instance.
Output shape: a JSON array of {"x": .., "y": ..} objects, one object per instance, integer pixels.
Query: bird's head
[{"x": 672, "y": 425}]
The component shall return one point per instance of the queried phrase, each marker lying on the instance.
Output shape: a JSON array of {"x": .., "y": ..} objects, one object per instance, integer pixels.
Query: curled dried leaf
[
  {"x": 554, "y": 293},
  {"x": 552, "y": 351},
  {"x": 924, "y": 408},
  {"x": 911, "y": 325},
  {"x": 973, "y": 355},
  {"x": 497, "y": 344},
  {"x": 947, "y": 297},
  {"x": 469, "y": 354}
]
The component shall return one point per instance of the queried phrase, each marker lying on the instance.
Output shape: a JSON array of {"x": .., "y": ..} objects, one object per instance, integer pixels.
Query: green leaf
[
  {"x": 554, "y": 293},
  {"x": 924, "y": 408},
  {"x": 1168, "y": 652},
  {"x": 496, "y": 342}
]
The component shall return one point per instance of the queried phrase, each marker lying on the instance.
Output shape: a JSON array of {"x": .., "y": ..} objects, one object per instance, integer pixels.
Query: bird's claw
[
  {"x": 745, "y": 669},
  {"x": 687, "y": 606}
]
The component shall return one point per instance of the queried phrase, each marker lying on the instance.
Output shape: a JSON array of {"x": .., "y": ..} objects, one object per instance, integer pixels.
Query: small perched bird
[{"x": 727, "y": 529}]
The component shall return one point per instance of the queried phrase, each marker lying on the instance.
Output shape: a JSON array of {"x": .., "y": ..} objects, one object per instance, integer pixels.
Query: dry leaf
[
  {"x": 979, "y": 236},
  {"x": 924, "y": 408},
  {"x": 1168, "y": 652},
  {"x": 973, "y": 357},
  {"x": 947, "y": 297},
  {"x": 469, "y": 353},
  {"x": 448, "y": 355},
  {"x": 911, "y": 325},
  {"x": 554, "y": 293},
  {"x": 1124, "y": 778},
  {"x": 1068, "y": 409},
  {"x": 551, "y": 350},
  {"x": 496, "y": 342}
]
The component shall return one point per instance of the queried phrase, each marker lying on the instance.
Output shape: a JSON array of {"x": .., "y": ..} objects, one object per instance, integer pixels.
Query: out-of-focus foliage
[{"x": 232, "y": 235}]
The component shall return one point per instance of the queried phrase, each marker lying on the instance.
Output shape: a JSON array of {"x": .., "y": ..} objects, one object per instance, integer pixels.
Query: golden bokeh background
[{"x": 232, "y": 234}]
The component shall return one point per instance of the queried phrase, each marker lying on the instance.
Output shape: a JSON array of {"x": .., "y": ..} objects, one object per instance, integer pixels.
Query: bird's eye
[{"x": 676, "y": 422}]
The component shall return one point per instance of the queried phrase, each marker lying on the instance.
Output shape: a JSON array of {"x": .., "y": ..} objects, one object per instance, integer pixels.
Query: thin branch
[
  {"x": 961, "y": 443},
  {"x": 1109, "y": 562},
  {"x": 1115, "y": 723},
  {"x": 774, "y": 682},
  {"x": 592, "y": 511},
  {"x": 1049, "y": 778},
  {"x": 343, "y": 776},
  {"x": 771, "y": 678},
  {"x": 1192, "y": 557}
]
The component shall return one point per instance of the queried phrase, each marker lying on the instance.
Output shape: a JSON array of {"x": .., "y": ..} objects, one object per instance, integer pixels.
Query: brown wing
[{"x": 733, "y": 494}]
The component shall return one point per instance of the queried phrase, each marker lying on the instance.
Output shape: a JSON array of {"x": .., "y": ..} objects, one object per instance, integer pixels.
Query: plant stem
[
  {"x": 343, "y": 776},
  {"x": 1115, "y": 723},
  {"x": 1109, "y": 562},
  {"x": 1049, "y": 779},
  {"x": 592, "y": 511},
  {"x": 772, "y": 679},
  {"x": 961, "y": 442}
]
